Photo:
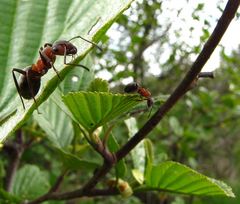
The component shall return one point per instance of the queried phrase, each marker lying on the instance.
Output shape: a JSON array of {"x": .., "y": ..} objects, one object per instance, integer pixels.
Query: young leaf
[
  {"x": 178, "y": 178},
  {"x": 138, "y": 175},
  {"x": 98, "y": 85},
  {"x": 138, "y": 153},
  {"x": 71, "y": 161},
  {"x": 94, "y": 109},
  {"x": 148, "y": 146},
  {"x": 121, "y": 165}
]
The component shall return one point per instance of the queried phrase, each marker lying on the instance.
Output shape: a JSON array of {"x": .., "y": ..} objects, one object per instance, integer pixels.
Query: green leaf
[
  {"x": 200, "y": 7},
  {"x": 138, "y": 153},
  {"x": 99, "y": 85},
  {"x": 175, "y": 125},
  {"x": 26, "y": 26},
  {"x": 30, "y": 182},
  {"x": 121, "y": 165},
  {"x": 94, "y": 109},
  {"x": 7, "y": 198},
  {"x": 177, "y": 178},
  {"x": 71, "y": 161},
  {"x": 138, "y": 175},
  {"x": 56, "y": 123},
  {"x": 148, "y": 146}
]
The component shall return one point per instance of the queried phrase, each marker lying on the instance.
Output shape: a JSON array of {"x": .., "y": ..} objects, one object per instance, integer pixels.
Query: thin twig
[
  {"x": 58, "y": 182},
  {"x": 90, "y": 193},
  {"x": 206, "y": 75},
  {"x": 52, "y": 190},
  {"x": 15, "y": 151}
]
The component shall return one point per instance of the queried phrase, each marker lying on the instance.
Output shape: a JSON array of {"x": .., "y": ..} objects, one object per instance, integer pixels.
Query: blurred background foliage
[{"x": 202, "y": 130}]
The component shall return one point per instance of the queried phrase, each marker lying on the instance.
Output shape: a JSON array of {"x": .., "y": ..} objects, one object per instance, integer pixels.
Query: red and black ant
[
  {"x": 30, "y": 79},
  {"x": 135, "y": 87}
]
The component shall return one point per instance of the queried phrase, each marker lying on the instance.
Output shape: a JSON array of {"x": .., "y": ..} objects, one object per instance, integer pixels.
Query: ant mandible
[
  {"x": 30, "y": 79},
  {"x": 135, "y": 87}
]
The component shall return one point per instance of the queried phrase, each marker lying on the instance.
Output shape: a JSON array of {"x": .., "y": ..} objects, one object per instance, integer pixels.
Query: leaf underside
[{"x": 28, "y": 25}]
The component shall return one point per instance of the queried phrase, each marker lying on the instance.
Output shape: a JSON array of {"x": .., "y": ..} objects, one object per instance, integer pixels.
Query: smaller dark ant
[
  {"x": 30, "y": 79},
  {"x": 135, "y": 87}
]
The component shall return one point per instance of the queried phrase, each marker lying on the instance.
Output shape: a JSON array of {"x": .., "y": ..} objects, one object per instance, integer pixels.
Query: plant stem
[
  {"x": 52, "y": 190},
  {"x": 14, "y": 151}
]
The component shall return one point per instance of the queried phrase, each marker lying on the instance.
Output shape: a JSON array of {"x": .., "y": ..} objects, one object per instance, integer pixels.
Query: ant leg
[
  {"x": 55, "y": 70},
  {"x": 47, "y": 61},
  {"x": 31, "y": 90},
  {"x": 149, "y": 104},
  {"x": 44, "y": 57},
  {"x": 16, "y": 82},
  {"x": 94, "y": 44},
  {"x": 65, "y": 60}
]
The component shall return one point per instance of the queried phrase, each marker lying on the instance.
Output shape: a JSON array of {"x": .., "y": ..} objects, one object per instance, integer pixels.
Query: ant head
[
  {"x": 132, "y": 87},
  {"x": 59, "y": 48}
]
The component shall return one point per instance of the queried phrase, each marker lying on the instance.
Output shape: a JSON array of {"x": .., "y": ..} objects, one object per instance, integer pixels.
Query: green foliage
[
  {"x": 73, "y": 162},
  {"x": 57, "y": 124},
  {"x": 94, "y": 109},
  {"x": 177, "y": 178},
  {"x": 6, "y": 198},
  {"x": 30, "y": 182},
  {"x": 175, "y": 126},
  {"x": 138, "y": 153},
  {"x": 120, "y": 167},
  {"x": 98, "y": 85}
]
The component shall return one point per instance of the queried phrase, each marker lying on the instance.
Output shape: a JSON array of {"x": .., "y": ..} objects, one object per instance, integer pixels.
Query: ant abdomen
[
  {"x": 25, "y": 89},
  {"x": 28, "y": 91},
  {"x": 131, "y": 88}
]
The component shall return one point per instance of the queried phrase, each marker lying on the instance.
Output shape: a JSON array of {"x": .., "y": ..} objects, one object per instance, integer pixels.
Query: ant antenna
[
  {"x": 87, "y": 41},
  {"x": 94, "y": 25}
]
